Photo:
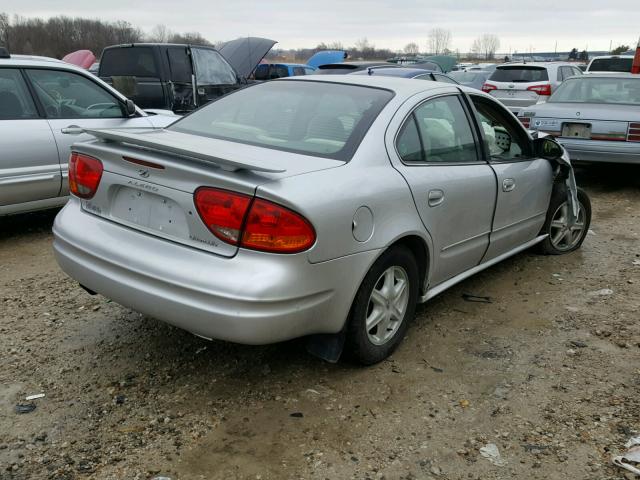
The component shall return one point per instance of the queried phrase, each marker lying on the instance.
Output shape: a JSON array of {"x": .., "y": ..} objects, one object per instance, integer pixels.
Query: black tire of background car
[
  {"x": 558, "y": 197},
  {"x": 358, "y": 346}
]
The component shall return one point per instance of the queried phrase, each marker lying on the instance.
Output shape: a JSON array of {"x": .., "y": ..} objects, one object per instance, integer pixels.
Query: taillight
[
  {"x": 272, "y": 228},
  {"x": 487, "y": 87},
  {"x": 254, "y": 224},
  {"x": 633, "y": 135},
  {"x": 222, "y": 212},
  {"x": 541, "y": 89},
  {"x": 526, "y": 121},
  {"x": 85, "y": 173}
]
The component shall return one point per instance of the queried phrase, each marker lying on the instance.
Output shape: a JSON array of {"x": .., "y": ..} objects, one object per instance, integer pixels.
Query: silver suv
[{"x": 519, "y": 85}]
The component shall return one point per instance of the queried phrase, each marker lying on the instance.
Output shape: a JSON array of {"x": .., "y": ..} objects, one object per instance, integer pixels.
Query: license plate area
[
  {"x": 149, "y": 211},
  {"x": 576, "y": 130}
]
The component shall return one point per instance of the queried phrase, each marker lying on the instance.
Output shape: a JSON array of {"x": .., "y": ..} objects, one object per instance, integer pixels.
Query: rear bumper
[
  {"x": 253, "y": 298},
  {"x": 602, "y": 151}
]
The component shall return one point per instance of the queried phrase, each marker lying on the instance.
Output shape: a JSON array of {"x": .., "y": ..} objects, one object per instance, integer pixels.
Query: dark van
[{"x": 176, "y": 77}]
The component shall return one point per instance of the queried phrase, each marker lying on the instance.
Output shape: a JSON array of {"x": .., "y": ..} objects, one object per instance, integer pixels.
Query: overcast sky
[{"x": 520, "y": 24}]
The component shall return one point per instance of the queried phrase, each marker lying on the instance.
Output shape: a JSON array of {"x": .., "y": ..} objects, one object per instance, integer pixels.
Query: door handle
[
  {"x": 436, "y": 197},
  {"x": 72, "y": 130},
  {"x": 508, "y": 185}
]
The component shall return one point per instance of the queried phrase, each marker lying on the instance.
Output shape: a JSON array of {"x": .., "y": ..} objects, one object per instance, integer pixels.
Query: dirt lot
[{"x": 549, "y": 372}]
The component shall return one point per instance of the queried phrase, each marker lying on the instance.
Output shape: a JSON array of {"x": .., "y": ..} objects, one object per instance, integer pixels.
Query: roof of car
[
  {"x": 31, "y": 61},
  {"x": 534, "y": 64},
  {"x": 401, "y": 86},
  {"x": 405, "y": 72},
  {"x": 158, "y": 44},
  {"x": 611, "y": 56},
  {"x": 623, "y": 75}
]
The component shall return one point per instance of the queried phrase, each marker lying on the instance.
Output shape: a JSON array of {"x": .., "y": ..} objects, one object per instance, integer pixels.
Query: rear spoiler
[{"x": 165, "y": 141}]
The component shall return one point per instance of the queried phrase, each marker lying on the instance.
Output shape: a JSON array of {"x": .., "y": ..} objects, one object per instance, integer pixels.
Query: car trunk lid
[{"x": 150, "y": 177}]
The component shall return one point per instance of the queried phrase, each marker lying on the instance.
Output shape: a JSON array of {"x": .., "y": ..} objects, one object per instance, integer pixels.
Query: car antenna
[{"x": 370, "y": 71}]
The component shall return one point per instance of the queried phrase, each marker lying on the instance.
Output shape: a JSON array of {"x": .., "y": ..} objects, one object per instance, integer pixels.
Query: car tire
[
  {"x": 381, "y": 298},
  {"x": 561, "y": 239}
]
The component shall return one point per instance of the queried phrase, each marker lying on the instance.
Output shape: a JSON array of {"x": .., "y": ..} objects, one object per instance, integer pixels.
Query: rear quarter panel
[{"x": 330, "y": 198}]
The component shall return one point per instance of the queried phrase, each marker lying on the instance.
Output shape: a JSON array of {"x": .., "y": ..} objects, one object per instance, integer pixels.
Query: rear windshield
[
  {"x": 128, "y": 62},
  {"x": 611, "y": 65},
  {"x": 519, "y": 74},
  {"x": 598, "y": 90},
  {"x": 315, "y": 118}
]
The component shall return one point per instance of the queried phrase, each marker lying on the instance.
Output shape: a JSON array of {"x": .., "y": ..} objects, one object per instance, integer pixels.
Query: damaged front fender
[{"x": 560, "y": 157}]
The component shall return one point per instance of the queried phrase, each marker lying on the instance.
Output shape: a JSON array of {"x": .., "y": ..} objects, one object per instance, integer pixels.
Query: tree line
[{"x": 58, "y": 36}]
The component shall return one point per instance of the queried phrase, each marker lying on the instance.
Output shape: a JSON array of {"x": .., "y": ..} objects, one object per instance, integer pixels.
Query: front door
[
  {"x": 29, "y": 167},
  {"x": 524, "y": 182},
  {"x": 70, "y": 98},
  {"x": 454, "y": 189}
]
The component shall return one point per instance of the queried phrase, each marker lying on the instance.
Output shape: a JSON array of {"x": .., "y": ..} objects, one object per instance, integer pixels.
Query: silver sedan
[
  {"x": 313, "y": 206},
  {"x": 39, "y": 98},
  {"x": 596, "y": 117}
]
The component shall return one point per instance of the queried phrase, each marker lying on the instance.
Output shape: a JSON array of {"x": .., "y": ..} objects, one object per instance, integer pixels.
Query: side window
[
  {"x": 576, "y": 71},
  {"x": 179, "y": 64},
  {"x": 262, "y": 72},
  {"x": 15, "y": 99},
  {"x": 280, "y": 71},
  {"x": 426, "y": 76},
  {"x": 437, "y": 131},
  {"x": 505, "y": 140},
  {"x": 298, "y": 71},
  {"x": 309, "y": 71},
  {"x": 70, "y": 95},
  {"x": 408, "y": 143},
  {"x": 445, "y": 131}
]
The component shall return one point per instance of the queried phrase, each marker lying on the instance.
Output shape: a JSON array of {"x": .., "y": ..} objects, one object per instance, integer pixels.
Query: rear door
[
  {"x": 517, "y": 86},
  {"x": 182, "y": 79},
  {"x": 524, "y": 181},
  {"x": 454, "y": 189},
  {"x": 72, "y": 99},
  {"x": 29, "y": 166}
]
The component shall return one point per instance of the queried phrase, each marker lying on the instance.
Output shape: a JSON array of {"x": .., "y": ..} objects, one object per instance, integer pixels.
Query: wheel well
[{"x": 418, "y": 247}]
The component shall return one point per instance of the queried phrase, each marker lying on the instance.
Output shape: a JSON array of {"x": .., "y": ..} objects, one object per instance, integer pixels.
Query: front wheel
[
  {"x": 563, "y": 237},
  {"x": 383, "y": 307}
]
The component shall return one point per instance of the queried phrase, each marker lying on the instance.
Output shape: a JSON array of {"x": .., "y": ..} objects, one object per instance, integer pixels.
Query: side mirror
[
  {"x": 130, "y": 108},
  {"x": 548, "y": 148}
]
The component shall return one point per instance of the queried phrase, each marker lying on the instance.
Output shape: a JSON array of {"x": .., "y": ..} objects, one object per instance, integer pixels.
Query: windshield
[
  {"x": 598, "y": 90},
  {"x": 520, "y": 74},
  {"x": 611, "y": 64},
  {"x": 316, "y": 118}
]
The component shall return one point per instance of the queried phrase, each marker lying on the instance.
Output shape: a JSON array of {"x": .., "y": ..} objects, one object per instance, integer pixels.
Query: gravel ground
[{"x": 548, "y": 372}]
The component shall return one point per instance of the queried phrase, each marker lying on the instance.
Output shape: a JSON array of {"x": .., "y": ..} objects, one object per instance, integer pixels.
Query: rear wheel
[
  {"x": 563, "y": 237},
  {"x": 383, "y": 307}
]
